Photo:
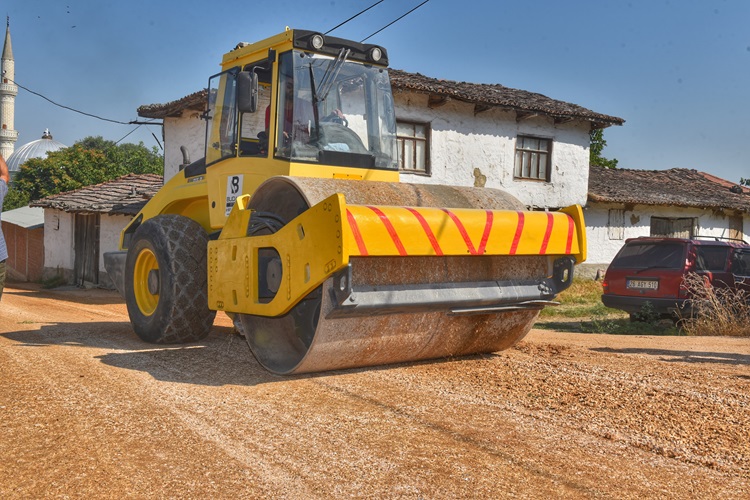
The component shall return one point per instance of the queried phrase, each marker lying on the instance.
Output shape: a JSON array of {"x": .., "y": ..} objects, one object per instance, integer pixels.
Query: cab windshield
[{"x": 334, "y": 112}]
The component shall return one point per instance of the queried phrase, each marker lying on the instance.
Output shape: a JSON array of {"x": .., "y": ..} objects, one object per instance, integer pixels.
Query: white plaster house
[
  {"x": 80, "y": 225},
  {"x": 677, "y": 202},
  {"x": 453, "y": 133},
  {"x": 448, "y": 132}
]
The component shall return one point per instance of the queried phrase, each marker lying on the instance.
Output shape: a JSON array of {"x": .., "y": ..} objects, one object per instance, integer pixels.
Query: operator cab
[{"x": 330, "y": 106}]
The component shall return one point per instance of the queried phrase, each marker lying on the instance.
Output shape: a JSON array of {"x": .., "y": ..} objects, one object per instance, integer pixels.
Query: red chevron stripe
[
  {"x": 462, "y": 230},
  {"x": 547, "y": 233},
  {"x": 427, "y": 231},
  {"x": 519, "y": 232},
  {"x": 486, "y": 235},
  {"x": 571, "y": 230},
  {"x": 356, "y": 233},
  {"x": 391, "y": 230}
]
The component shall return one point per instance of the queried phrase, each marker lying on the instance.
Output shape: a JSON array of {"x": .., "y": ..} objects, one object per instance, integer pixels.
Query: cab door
[{"x": 221, "y": 116}]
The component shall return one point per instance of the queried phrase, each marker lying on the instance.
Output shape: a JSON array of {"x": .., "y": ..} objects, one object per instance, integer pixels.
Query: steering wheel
[{"x": 336, "y": 118}]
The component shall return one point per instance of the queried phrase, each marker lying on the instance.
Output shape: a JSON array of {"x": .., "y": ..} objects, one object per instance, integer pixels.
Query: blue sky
[{"x": 678, "y": 71}]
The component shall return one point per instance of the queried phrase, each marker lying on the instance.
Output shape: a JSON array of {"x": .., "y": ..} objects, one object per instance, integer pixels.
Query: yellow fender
[{"x": 319, "y": 243}]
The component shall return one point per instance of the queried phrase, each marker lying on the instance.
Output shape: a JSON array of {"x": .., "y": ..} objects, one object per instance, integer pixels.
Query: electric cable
[
  {"x": 355, "y": 15},
  {"x": 87, "y": 114},
  {"x": 395, "y": 21},
  {"x": 157, "y": 141},
  {"x": 124, "y": 136},
  {"x": 68, "y": 107}
]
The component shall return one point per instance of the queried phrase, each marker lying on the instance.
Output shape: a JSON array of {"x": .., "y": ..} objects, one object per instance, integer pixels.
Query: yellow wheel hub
[{"x": 146, "y": 282}]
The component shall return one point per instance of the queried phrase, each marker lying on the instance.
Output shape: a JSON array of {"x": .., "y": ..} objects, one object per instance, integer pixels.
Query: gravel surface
[{"x": 88, "y": 410}]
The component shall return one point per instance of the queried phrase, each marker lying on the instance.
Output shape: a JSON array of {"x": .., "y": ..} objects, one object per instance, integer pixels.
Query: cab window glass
[
  {"x": 221, "y": 132},
  {"x": 254, "y": 126},
  {"x": 334, "y": 111}
]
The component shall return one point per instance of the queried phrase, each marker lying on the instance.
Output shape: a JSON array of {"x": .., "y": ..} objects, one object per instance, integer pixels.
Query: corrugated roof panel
[{"x": 25, "y": 217}]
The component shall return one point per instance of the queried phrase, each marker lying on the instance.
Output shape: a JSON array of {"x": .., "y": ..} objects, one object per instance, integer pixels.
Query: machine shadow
[
  {"x": 676, "y": 356},
  {"x": 94, "y": 296},
  {"x": 222, "y": 358}
]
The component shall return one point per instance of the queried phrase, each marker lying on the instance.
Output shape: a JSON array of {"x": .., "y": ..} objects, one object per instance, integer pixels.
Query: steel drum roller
[{"x": 312, "y": 338}]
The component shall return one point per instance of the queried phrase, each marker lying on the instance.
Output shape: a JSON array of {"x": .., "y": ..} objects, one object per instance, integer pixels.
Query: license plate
[{"x": 643, "y": 284}]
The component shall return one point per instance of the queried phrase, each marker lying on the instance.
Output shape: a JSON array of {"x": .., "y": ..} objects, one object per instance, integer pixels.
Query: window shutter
[{"x": 616, "y": 224}]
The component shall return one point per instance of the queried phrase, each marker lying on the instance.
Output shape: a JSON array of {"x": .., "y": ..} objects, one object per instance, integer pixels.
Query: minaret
[{"x": 8, "y": 92}]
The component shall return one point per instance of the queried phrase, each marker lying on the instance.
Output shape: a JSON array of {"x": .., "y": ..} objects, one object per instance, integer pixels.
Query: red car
[{"x": 649, "y": 269}]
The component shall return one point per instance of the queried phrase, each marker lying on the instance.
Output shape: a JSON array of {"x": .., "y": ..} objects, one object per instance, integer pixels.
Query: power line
[
  {"x": 68, "y": 107},
  {"x": 157, "y": 141},
  {"x": 355, "y": 15},
  {"x": 123, "y": 137},
  {"x": 92, "y": 115},
  {"x": 395, "y": 21},
  {"x": 130, "y": 123}
]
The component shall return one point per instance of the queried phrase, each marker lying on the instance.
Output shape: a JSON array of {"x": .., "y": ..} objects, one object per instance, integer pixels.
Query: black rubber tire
[{"x": 181, "y": 312}]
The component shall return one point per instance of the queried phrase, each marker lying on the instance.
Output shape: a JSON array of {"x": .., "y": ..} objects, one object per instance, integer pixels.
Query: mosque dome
[{"x": 34, "y": 149}]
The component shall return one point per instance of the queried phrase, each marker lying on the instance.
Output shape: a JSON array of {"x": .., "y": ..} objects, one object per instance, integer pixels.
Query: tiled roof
[
  {"x": 678, "y": 187},
  {"x": 725, "y": 183},
  {"x": 521, "y": 101},
  {"x": 484, "y": 96},
  {"x": 195, "y": 101},
  {"x": 125, "y": 195}
]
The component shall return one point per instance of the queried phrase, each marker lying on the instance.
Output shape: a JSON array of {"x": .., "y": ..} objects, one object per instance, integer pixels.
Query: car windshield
[
  {"x": 335, "y": 112},
  {"x": 647, "y": 255}
]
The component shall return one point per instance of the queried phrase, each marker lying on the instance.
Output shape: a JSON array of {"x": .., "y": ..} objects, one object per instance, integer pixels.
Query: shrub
[
  {"x": 647, "y": 314},
  {"x": 715, "y": 311}
]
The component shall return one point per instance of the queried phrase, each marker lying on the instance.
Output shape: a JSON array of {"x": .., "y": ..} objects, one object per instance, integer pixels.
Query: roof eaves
[
  {"x": 125, "y": 195},
  {"x": 485, "y": 95},
  {"x": 673, "y": 187},
  {"x": 495, "y": 95},
  {"x": 195, "y": 101}
]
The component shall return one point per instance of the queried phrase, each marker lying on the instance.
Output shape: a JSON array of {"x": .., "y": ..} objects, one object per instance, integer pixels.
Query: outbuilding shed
[
  {"x": 23, "y": 229},
  {"x": 80, "y": 225}
]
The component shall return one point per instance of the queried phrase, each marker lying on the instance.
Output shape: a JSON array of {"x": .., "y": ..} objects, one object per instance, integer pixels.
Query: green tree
[
  {"x": 90, "y": 161},
  {"x": 595, "y": 150},
  {"x": 15, "y": 199}
]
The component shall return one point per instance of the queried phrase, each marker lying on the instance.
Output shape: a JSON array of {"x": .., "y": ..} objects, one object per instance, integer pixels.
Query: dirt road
[{"x": 88, "y": 410}]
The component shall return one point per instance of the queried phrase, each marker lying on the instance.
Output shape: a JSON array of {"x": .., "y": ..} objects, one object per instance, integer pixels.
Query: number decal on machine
[{"x": 234, "y": 189}]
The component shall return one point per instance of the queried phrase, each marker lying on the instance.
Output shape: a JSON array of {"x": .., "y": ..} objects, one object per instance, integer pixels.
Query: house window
[
  {"x": 413, "y": 147},
  {"x": 533, "y": 158},
  {"x": 678, "y": 227}
]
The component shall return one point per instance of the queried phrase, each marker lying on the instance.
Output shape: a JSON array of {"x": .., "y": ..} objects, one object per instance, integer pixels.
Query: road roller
[{"x": 295, "y": 224}]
